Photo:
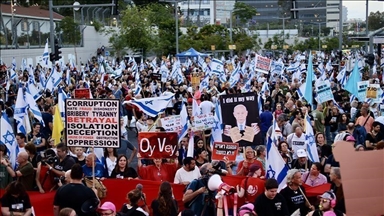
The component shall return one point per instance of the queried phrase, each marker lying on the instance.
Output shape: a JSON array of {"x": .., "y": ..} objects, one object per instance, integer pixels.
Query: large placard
[
  {"x": 223, "y": 150},
  {"x": 262, "y": 64},
  {"x": 362, "y": 90},
  {"x": 92, "y": 123},
  {"x": 158, "y": 144},
  {"x": 203, "y": 122},
  {"x": 241, "y": 119},
  {"x": 171, "y": 123},
  {"x": 324, "y": 92}
]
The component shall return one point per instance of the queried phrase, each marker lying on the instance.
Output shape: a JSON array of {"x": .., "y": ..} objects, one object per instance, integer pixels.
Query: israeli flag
[
  {"x": 62, "y": 97},
  {"x": 152, "y": 106},
  {"x": 33, "y": 91},
  {"x": 21, "y": 112},
  {"x": 310, "y": 140},
  {"x": 7, "y": 138},
  {"x": 205, "y": 83},
  {"x": 14, "y": 65},
  {"x": 184, "y": 122},
  {"x": 259, "y": 104},
  {"x": 275, "y": 165},
  {"x": 137, "y": 84},
  {"x": 217, "y": 66},
  {"x": 234, "y": 78},
  {"x": 33, "y": 107},
  {"x": 217, "y": 130},
  {"x": 45, "y": 55},
  {"x": 54, "y": 80},
  {"x": 301, "y": 90}
]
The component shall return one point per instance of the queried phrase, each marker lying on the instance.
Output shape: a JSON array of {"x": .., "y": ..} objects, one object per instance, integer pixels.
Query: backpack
[{"x": 101, "y": 189}]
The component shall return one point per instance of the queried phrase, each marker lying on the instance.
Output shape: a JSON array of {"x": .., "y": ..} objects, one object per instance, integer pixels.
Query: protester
[
  {"x": 165, "y": 204},
  {"x": 15, "y": 200},
  {"x": 270, "y": 202}
]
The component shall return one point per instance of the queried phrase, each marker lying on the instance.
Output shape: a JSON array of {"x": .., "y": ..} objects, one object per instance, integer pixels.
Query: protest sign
[
  {"x": 156, "y": 76},
  {"x": 195, "y": 80},
  {"x": 324, "y": 92},
  {"x": 224, "y": 149},
  {"x": 82, "y": 93},
  {"x": 372, "y": 91},
  {"x": 362, "y": 90},
  {"x": 171, "y": 123},
  {"x": 262, "y": 64},
  {"x": 203, "y": 122},
  {"x": 158, "y": 144},
  {"x": 240, "y": 119},
  {"x": 92, "y": 123}
]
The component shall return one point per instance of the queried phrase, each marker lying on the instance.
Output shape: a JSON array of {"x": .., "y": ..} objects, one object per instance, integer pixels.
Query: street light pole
[
  {"x": 52, "y": 29},
  {"x": 177, "y": 28},
  {"x": 319, "y": 35},
  {"x": 283, "y": 18}
]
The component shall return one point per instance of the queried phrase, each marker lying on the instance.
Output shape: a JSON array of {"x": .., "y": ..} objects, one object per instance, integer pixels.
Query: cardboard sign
[
  {"x": 92, "y": 123},
  {"x": 262, "y": 64},
  {"x": 372, "y": 91},
  {"x": 195, "y": 80},
  {"x": 203, "y": 122},
  {"x": 158, "y": 144},
  {"x": 82, "y": 93},
  {"x": 360, "y": 199},
  {"x": 171, "y": 123},
  {"x": 324, "y": 92},
  {"x": 362, "y": 90},
  {"x": 224, "y": 149}
]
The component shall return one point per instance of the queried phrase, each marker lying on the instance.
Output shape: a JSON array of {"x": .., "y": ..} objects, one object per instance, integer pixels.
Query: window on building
[{"x": 24, "y": 25}]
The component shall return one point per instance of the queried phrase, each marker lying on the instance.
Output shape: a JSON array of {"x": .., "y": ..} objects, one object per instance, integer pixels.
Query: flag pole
[
  {"x": 157, "y": 119},
  {"x": 93, "y": 167}
]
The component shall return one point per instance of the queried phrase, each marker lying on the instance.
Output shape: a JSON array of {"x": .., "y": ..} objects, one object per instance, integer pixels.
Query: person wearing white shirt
[
  {"x": 187, "y": 173},
  {"x": 206, "y": 105},
  {"x": 296, "y": 141}
]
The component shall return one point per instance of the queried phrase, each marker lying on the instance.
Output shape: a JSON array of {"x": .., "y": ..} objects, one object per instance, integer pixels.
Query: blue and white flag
[
  {"x": 54, "y": 80},
  {"x": 24, "y": 64},
  {"x": 33, "y": 107},
  {"x": 152, "y": 106},
  {"x": 233, "y": 79},
  {"x": 205, "y": 83},
  {"x": 354, "y": 78},
  {"x": 8, "y": 139},
  {"x": 32, "y": 89},
  {"x": 260, "y": 104},
  {"x": 138, "y": 87},
  {"x": 217, "y": 66},
  {"x": 184, "y": 122},
  {"x": 217, "y": 130},
  {"x": 14, "y": 65},
  {"x": 45, "y": 55},
  {"x": 62, "y": 97},
  {"x": 276, "y": 167},
  {"x": 308, "y": 94},
  {"x": 195, "y": 108},
  {"x": 21, "y": 114},
  {"x": 310, "y": 140}
]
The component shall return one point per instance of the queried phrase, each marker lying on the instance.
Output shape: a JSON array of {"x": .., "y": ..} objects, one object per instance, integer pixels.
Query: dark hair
[
  {"x": 281, "y": 143},
  {"x": 15, "y": 188},
  {"x": 117, "y": 168},
  {"x": 317, "y": 134},
  {"x": 375, "y": 123},
  {"x": 260, "y": 149},
  {"x": 62, "y": 147},
  {"x": 266, "y": 107},
  {"x": 161, "y": 129},
  {"x": 271, "y": 184},
  {"x": 66, "y": 212},
  {"x": 134, "y": 196},
  {"x": 187, "y": 161},
  {"x": 76, "y": 172},
  {"x": 31, "y": 148},
  {"x": 106, "y": 153},
  {"x": 318, "y": 166},
  {"x": 47, "y": 107},
  {"x": 3, "y": 148},
  {"x": 165, "y": 199},
  {"x": 21, "y": 135}
]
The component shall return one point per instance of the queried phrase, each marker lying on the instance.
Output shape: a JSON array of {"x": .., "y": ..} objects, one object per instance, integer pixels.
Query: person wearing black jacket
[{"x": 270, "y": 202}]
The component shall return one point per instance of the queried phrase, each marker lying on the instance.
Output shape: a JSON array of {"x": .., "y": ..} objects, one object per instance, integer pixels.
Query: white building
[
  {"x": 333, "y": 14},
  {"x": 26, "y": 19}
]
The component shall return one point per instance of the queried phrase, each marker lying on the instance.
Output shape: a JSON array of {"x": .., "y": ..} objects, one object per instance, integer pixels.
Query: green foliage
[
  {"x": 97, "y": 25},
  {"x": 144, "y": 2},
  {"x": 278, "y": 40},
  {"x": 375, "y": 20},
  {"x": 244, "y": 12},
  {"x": 243, "y": 41},
  {"x": 118, "y": 45},
  {"x": 70, "y": 31}
]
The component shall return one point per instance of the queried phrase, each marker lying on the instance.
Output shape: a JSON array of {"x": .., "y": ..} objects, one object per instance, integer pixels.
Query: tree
[
  {"x": 375, "y": 20},
  {"x": 278, "y": 40},
  {"x": 243, "y": 41},
  {"x": 244, "y": 12},
  {"x": 144, "y": 2},
  {"x": 191, "y": 39},
  {"x": 70, "y": 31},
  {"x": 217, "y": 35}
]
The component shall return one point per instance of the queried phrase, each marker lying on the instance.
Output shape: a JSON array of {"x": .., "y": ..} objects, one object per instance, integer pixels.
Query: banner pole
[
  {"x": 157, "y": 119},
  {"x": 93, "y": 167}
]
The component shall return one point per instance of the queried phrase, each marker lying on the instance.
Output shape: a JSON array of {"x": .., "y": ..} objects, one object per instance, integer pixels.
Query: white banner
[
  {"x": 171, "y": 123},
  {"x": 203, "y": 122},
  {"x": 262, "y": 64},
  {"x": 92, "y": 123},
  {"x": 362, "y": 90},
  {"x": 324, "y": 92}
]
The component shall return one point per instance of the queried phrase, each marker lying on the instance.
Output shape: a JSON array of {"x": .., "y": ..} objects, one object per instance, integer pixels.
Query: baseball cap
[
  {"x": 107, "y": 206},
  {"x": 247, "y": 208},
  {"x": 301, "y": 153},
  {"x": 252, "y": 169},
  {"x": 351, "y": 138},
  {"x": 328, "y": 195}
]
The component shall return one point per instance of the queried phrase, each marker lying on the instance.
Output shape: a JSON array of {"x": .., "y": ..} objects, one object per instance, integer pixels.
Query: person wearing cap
[
  {"x": 271, "y": 202},
  {"x": 295, "y": 194},
  {"x": 327, "y": 204},
  {"x": 296, "y": 141},
  {"x": 247, "y": 210},
  {"x": 302, "y": 162},
  {"x": 107, "y": 209},
  {"x": 252, "y": 186}
]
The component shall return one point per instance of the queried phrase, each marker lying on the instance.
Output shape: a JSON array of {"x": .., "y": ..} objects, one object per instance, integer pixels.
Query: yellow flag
[{"x": 58, "y": 126}]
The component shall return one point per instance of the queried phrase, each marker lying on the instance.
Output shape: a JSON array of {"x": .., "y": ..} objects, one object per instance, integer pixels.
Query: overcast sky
[{"x": 356, "y": 9}]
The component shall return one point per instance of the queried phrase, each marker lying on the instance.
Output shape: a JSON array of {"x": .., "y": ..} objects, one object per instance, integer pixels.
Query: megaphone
[{"x": 215, "y": 183}]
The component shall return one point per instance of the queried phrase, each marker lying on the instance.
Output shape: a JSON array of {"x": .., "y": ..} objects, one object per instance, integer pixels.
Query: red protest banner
[
  {"x": 158, "y": 144},
  {"x": 82, "y": 93},
  {"x": 225, "y": 149}
]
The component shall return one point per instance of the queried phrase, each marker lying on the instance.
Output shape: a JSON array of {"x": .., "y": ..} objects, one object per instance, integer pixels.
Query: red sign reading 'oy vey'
[{"x": 158, "y": 144}]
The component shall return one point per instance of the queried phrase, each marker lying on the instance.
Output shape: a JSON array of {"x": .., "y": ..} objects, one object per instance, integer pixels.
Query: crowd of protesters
[{"x": 353, "y": 122}]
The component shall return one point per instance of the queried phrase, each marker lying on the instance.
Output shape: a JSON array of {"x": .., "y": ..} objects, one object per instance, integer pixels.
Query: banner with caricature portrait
[{"x": 241, "y": 120}]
